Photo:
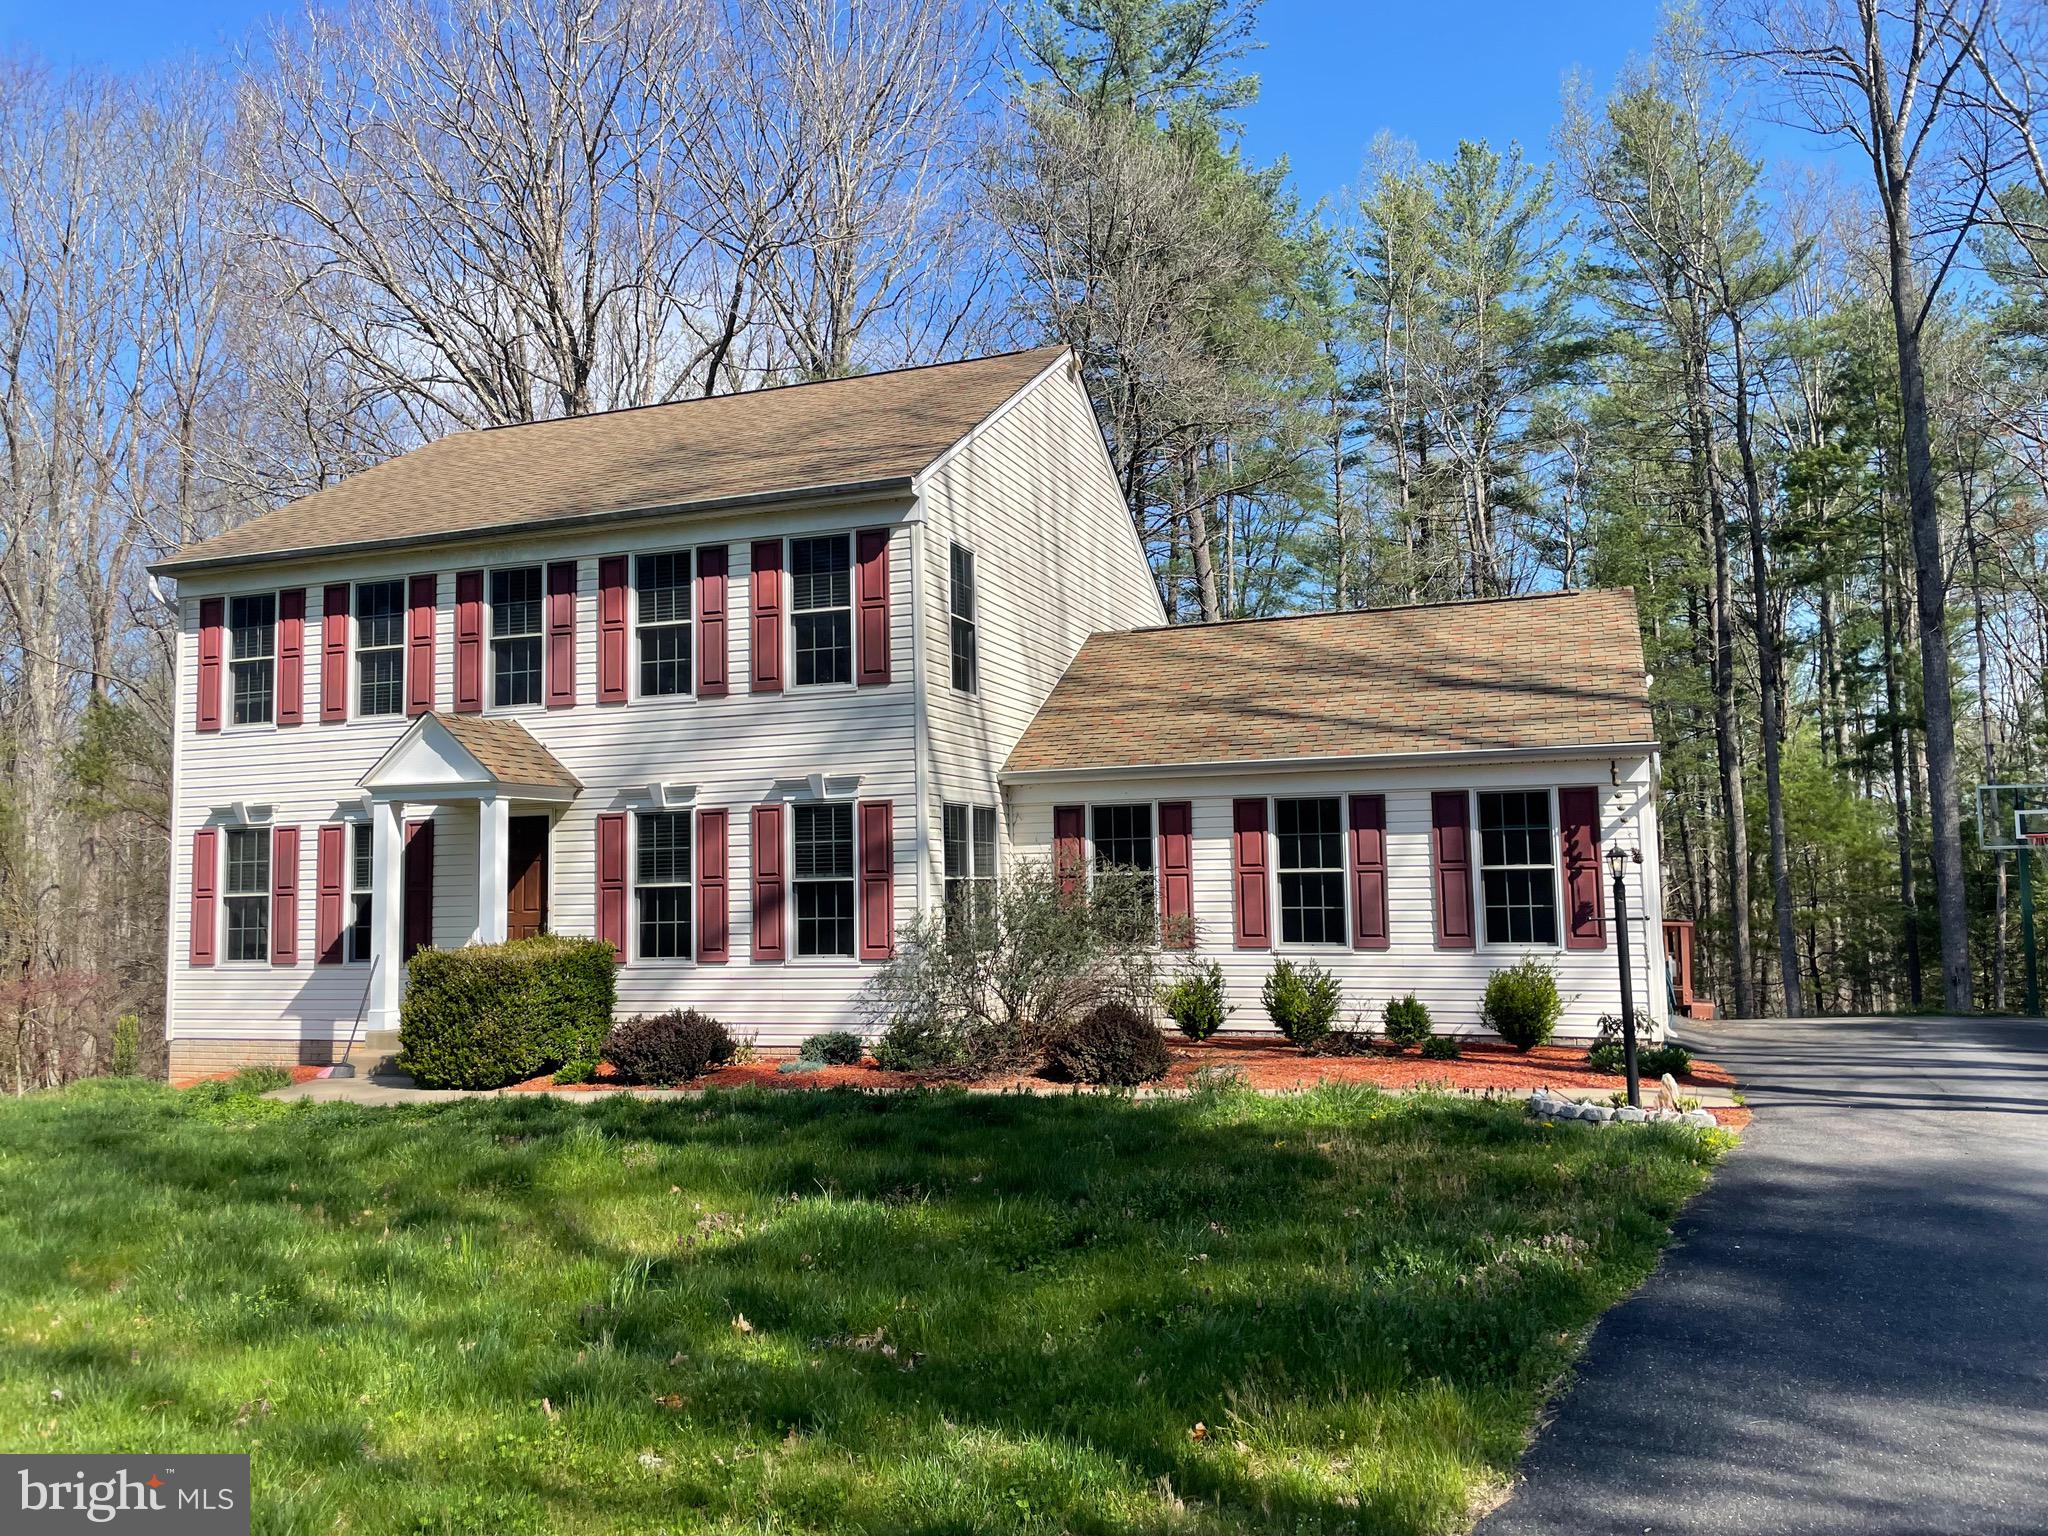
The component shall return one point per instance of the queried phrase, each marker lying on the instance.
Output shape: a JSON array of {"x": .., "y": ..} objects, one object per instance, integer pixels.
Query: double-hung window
[
  {"x": 247, "y": 893},
  {"x": 1311, "y": 862},
  {"x": 822, "y": 874},
  {"x": 966, "y": 660},
  {"x": 1517, "y": 877},
  {"x": 380, "y": 648},
  {"x": 662, "y": 585},
  {"x": 252, "y": 656},
  {"x": 661, "y": 881},
  {"x": 515, "y": 636},
  {"x": 821, "y": 608},
  {"x": 970, "y": 839},
  {"x": 1123, "y": 837},
  {"x": 361, "y": 865}
]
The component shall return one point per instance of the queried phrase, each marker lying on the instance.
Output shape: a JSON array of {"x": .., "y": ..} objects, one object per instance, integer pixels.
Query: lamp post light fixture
[{"x": 1618, "y": 860}]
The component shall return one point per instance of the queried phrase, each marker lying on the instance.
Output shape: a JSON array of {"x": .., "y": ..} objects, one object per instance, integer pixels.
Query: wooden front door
[{"x": 526, "y": 895}]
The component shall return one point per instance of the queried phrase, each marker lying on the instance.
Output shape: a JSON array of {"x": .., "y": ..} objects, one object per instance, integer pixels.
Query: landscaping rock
[
  {"x": 1599, "y": 1114},
  {"x": 1702, "y": 1119},
  {"x": 1629, "y": 1115}
]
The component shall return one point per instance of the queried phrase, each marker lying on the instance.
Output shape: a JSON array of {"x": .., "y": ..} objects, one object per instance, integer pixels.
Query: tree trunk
[{"x": 1902, "y": 809}]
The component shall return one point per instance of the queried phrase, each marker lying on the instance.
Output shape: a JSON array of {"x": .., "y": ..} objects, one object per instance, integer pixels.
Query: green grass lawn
[{"x": 929, "y": 1313}]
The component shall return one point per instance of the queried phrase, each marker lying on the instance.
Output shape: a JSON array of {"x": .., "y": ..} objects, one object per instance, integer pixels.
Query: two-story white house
[{"x": 740, "y": 684}]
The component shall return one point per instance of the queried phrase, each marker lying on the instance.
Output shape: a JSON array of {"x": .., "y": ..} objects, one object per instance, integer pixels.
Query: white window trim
[
  {"x": 1337, "y": 946},
  {"x": 269, "y": 836},
  {"x": 954, "y": 617},
  {"x": 633, "y": 886},
  {"x": 790, "y": 883},
  {"x": 791, "y": 685},
  {"x": 1480, "y": 941},
  {"x": 355, "y": 646},
  {"x": 227, "y": 708},
  {"x": 1088, "y": 810},
  {"x": 490, "y": 656},
  {"x": 633, "y": 691},
  {"x": 975, "y": 876},
  {"x": 350, "y": 890}
]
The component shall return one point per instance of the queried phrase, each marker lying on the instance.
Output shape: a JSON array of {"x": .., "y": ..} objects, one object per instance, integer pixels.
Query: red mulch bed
[{"x": 1265, "y": 1062}]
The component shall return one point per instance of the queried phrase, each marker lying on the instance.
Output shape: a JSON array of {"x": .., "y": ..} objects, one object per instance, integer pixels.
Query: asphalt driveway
[{"x": 1850, "y": 1332}]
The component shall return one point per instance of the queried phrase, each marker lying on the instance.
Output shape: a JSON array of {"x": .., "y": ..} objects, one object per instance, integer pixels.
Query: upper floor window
[
  {"x": 822, "y": 874},
  {"x": 380, "y": 648},
  {"x": 966, "y": 664},
  {"x": 252, "y": 656},
  {"x": 1517, "y": 882},
  {"x": 361, "y": 864},
  {"x": 821, "y": 609},
  {"x": 515, "y": 636},
  {"x": 1311, "y": 864},
  {"x": 247, "y": 893},
  {"x": 661, "y": 881},
  {"x": 663, "y": 621},
  {"x": 970, "y": 845}
]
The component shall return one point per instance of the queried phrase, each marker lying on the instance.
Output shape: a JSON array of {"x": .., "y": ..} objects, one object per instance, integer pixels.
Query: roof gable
[
  {"x": 440, "y": 753},
  {"x": 871, "y": 433},
  {"x": 1518, "y": 674}
]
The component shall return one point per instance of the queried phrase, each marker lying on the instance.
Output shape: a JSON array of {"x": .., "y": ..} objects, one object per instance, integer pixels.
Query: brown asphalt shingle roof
[
  {"x": 1563, "y": 670},
  {"x": 804, "y": 439},
  {"x": 508, "y": 751}
]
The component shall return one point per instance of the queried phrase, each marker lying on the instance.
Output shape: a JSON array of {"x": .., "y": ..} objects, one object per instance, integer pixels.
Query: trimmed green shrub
[
  {"x": 127, "y": 1053},
  {"x": 921, "y": 1043},
  {"x": 491, "y": 1014},
  {"x": 667, "y": 1048},
  {"x": 1302, "y": 1001},
  {"x": 834, "y": 1048},
  {"x": 1651, "y": 1060},
  {"x": 1196, "y": 1000},
  {"x": 1115, "y": 1045},
  {"x": 1442, "y": 1048},
  {"x": 1405, "y": 1021},
  {"x": 1521, "y": 1004}
]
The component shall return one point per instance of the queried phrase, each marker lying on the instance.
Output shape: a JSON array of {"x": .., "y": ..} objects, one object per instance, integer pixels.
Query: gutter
[
  {"x": 1211, "y": 768},
  {"x": 891, "y": 485}
]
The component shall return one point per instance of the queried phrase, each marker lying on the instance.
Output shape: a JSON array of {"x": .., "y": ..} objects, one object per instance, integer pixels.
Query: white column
[
  {"x": 387, "y": 912},
  {"x": 493, "y": 867}
]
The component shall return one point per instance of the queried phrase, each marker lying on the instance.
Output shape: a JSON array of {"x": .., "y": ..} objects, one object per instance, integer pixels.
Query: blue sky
[{"x": 1333, "y": 72}]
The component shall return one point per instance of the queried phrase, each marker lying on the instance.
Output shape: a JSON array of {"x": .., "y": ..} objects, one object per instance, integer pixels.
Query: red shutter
[
  {"x": 330, "y": 860},
  {"x": 875, "y": 833},
  {"x": 1450, "y": 850},
  {"x": 419, "y": 647},
  {"x": 611, "y": 881},
  {"x": 469, "y": 642},
  {"x": 284, "y": 895},
  {"x": 334, "y": 652},
  {"x": 1578, "y": 815},
  {"x": 419, "y": 886},
  {"x": 205, "y": 890},
  {"x": 714, "y": 905},
  {"x": 768, "y": 943},
  {"x": 291, "y": 656},
  {"x": 1069, "y": 859},
  {"x": 611, "y": 630},
  {"x": 713, "y": 568},
  {"x": 871, "y": 600},
  {"x": 562, "y": 634},
  {"x": 766, "y": 633},
  {"x": 1176, "y": 874},
  {"x": 1248, "y": 863},
  {"x": 1369, "y": 872},
  {"x": 212, "y": 611}
]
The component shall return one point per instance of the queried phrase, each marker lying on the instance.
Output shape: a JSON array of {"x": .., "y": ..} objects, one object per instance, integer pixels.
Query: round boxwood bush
[
  {"x": 1441, "y": 1048},
  {"x": 834, "y": 1048},
  {"x": 1405, "y": 1021},
  {"x": 1113, "y": 1044},
  {"x": 490, "y": 1014},
  {"x": 671, "y": 1047},
  {"x": 1521, "y": 1004},
  {"x": 1196, "y": 1000},
  {"x": 1302, "y": 1002}
]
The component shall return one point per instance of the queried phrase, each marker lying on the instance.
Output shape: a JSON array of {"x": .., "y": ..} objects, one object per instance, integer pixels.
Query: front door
[{"x": 526, "y": 896}]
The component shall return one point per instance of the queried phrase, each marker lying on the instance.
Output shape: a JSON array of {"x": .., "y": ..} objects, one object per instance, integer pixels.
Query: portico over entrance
[{"x": 471, "y": 764}]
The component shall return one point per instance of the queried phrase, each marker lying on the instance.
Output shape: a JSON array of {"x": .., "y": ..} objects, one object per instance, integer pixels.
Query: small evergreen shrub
[
  {"x": 672, "y": 1047},
  {"x": 1608, "y": 1054},
  {"x": 1405, "y": 1021},
  {"x": 1302, "y": 1001},
  {"x": 1441, "y": 1048},
  {"x": 1115, "y": 1045},
  {"x": 834, "y": 1048},
  {"x": 1669, "y": 1057},
  {"x": 127, "y": 1053},
  {"x": 920, "y": 1043},
  {"x": 1196, "y": 1000},
  {"x": 1521, "y": 1004},
  {"x": 491, "y": 1014}
]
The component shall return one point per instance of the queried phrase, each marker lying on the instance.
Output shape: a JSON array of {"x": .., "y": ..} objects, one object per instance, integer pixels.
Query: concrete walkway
[{"x": 1850, "y": 1333}]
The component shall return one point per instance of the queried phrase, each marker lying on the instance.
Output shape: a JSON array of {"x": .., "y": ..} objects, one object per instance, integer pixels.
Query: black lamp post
[{"x": 1618, "y": 860}]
